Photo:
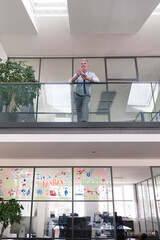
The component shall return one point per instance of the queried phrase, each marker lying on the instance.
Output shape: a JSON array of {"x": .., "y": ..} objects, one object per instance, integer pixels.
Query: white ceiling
[
  {"x": 109, "y": 28},
  {"x": 15, "y": 19},
  {"x": 79, "y": 150},
  {"x": 80, "y": 146},
  {"x": 129, "y": 154},
  {"x": 109, "y": 16}
]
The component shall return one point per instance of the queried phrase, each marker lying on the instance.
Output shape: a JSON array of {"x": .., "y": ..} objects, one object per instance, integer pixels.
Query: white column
[
  {"x": 40, "y": 219},
  {"x": 3, "y": 54}
]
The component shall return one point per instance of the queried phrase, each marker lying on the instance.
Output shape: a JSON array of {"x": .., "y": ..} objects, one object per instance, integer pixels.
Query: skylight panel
[
  {"x": 157, "y": 10},
  {"x": 50, "y": 7}
]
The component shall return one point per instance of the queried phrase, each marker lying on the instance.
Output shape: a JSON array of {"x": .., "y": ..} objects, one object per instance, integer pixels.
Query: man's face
[{"x": 84, "y": 65}]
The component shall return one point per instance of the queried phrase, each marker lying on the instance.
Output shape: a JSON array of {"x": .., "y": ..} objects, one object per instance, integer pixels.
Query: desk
[{"x": 105, "y": 231}]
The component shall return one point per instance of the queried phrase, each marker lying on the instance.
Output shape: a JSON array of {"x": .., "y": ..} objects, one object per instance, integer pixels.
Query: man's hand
[
  {"x": 79, "y": 72},
  {"x": 84, "y": 76}
]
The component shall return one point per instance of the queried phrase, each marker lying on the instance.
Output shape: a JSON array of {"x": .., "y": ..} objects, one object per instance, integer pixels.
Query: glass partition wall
[
  {"x": 147, "y": 207},
  {"x": 63, "y": 203},
  {"x": 156, "y": 183},
  {"x": 49, "y": 70},
  {"x": 126, "y": 197},
  {"x": 82, "y": 203}
]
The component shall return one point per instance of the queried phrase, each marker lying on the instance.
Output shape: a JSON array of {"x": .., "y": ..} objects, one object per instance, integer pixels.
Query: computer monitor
[
  {"x": 74, "y": 214},
  {"x": 106, "y": 213},
  {"x": 119, "y": 221},
  {"x": 88, "y": 219},
  {"x": 62, "y": 220}
]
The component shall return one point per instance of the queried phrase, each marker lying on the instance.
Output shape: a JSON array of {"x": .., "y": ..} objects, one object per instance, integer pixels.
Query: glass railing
[{"x": 109, "y": 102}]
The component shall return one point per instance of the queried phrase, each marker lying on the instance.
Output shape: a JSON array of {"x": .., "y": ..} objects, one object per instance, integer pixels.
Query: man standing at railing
[{"x": 83, "y": 91}]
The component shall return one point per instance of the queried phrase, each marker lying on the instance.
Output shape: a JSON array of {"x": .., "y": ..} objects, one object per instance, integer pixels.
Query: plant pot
[
  {"x": 27, "y": 116},
  {"x": 8, "y": 117}
]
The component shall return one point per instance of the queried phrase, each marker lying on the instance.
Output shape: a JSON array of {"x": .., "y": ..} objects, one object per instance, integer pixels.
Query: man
[{"x": 83, "y": 91}]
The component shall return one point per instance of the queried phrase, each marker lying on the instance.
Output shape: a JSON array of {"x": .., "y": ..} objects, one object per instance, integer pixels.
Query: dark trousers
[{"x": 82, "y": 107}]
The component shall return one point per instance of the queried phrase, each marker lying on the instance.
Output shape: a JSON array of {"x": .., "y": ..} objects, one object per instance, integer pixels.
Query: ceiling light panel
[{"x": 50, "y": 7}]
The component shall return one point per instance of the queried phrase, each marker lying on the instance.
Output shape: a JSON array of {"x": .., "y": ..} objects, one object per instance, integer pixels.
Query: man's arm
[
  {"x": 74, "y": 78},
  {"x": 93, "y": 78}
]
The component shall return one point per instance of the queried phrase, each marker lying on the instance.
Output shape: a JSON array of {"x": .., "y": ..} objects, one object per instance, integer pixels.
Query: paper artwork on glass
[
  {"x": 16, "y": 183},
  {"x": 92, "y": 184},
  {"x": 53, "y": 183}
]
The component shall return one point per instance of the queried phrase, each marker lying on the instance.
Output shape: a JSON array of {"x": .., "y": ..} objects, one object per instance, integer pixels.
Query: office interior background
[{"x": 84, "y": 174}]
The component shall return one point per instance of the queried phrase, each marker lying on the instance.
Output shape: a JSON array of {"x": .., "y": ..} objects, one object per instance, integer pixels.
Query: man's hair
[
  {"x": 143, "y": 236},
  {"x": 84, "y": 59}
]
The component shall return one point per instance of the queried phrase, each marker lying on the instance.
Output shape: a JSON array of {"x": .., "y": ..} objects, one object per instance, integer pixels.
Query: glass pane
[
  {"x": 155, "y": 225},
  {"x": 20, "y": 230},
  {"x": 157, "y": 187},
  {"x": 156, "y": 178},
  {"x": 18, "y": 102},
  {"x": 125, "y": 179},
  {"x": 81, "y": 228},
  {"x": 128, "y": 192},
  {"x": 118, "y": 192},
  {"x": 152, "y": 201},
  {"x": 146, "y": 201},
  {"x": 119, "y": 104},
  {"x": 96, "y": 65},
  {"x": 92, "y": 184},
  {"x": 127, "y": 210},
  {"x": 100, "y": 221},
  {"x": 130, "y": 209},
  {"x": 158, "y": 207},
  {"x": 16, "y": 183},
  {"x": 134, "y": 102},
  {"x": 31, "y": 62},
  {"x": 54, "y": 103},
  {"x": 140, "y": 201},
  {"x": 142, "y": 226},
  {"x": 56, "y": 70},
  {"x": 149, "y": 226},
  {"x": 98, "y": 105},
  {"x": 53, "y": 183},
  {"x": 122, "y": 68},
  {"x": 148, "y": 69},
  {"x": 57, "y": 117},
  {"x": 50, "y": 219},
  {"x": 119, "y": 208}
]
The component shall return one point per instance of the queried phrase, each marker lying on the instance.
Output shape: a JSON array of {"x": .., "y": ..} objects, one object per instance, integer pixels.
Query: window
[{"x": 124, "y": 200}]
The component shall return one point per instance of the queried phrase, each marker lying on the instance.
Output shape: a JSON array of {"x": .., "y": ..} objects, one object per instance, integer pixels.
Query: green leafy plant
[
  {"x": 10, "y": 212},
  {"x": 15, "y": 95}
]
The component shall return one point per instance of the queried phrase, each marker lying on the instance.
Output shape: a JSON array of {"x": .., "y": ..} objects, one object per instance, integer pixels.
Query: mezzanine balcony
[{"x": 111, "y": 104}]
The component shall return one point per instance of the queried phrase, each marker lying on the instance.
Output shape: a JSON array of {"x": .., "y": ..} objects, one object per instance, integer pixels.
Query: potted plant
[
  {"x": 14, "y": 93},
  {"x": 10, "y": 212}
]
